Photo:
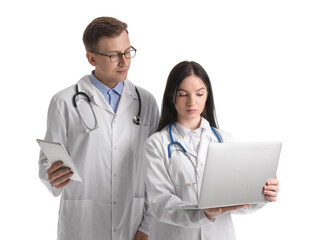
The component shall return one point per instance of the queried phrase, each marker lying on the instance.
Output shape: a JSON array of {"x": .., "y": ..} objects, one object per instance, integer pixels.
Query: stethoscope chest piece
[
  {"x": 136, "y": 120},
  {"x": 75, "y": 98}
]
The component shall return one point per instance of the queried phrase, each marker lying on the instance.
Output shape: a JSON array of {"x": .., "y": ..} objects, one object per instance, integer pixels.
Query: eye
[
  {"x": 182, "y": 94},
  {"x": 200, "y": 94},
  {"x": 115, "y": 55}
]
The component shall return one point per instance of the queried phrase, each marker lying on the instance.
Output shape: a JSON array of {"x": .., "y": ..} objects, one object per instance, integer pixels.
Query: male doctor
[{"x": 106, "y": 146}]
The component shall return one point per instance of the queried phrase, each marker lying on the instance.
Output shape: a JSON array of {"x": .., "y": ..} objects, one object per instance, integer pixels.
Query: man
[{"x": 104, "y": 141}]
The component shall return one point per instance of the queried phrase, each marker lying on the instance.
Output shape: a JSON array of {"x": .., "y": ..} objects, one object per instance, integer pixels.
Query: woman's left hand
[{"x": 271, "y": 189}]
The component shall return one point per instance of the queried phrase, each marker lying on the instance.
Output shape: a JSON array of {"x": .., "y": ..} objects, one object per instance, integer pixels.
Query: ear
[{"x": 91, "y": 59}]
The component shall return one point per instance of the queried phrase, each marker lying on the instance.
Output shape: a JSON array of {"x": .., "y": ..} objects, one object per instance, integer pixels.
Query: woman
[{"x": 174, "y": 178}]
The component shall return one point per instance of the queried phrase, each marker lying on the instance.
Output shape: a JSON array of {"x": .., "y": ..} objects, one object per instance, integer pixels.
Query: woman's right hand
[{"x": 212, "y": 213}]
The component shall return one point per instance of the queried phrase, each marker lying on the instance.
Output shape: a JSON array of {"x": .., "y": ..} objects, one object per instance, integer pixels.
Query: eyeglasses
[{"x": 118, "y": 56}]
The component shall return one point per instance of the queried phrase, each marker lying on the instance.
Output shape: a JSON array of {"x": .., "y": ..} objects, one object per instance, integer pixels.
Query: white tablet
[{"x": 56, "y": 151}]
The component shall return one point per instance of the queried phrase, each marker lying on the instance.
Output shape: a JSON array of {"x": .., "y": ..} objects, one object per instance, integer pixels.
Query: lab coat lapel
[
  {"x": 204, "y": 142},
  {"x": 96, "y": 97},
  {"x": 201, "y": 158},
  {"x": 128, "y": 95},
  {"x": 177, "y": 137},
  {"x": 205, "y": 139}
]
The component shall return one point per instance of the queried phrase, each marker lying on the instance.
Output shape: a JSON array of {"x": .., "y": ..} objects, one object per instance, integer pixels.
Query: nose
[
  {"x": 123, "y": 60},
  {"x": 191, "y": 100}
]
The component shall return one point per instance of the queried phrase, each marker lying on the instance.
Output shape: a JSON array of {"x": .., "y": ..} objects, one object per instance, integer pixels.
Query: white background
[{"x": 259, "y": 57}]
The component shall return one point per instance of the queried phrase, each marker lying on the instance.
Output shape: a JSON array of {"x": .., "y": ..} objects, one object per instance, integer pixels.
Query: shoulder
[
  {"x": 65, "y": 93},
  {"x": 145, "y": 94},
  {"x": 226, "y": 136},
  {"x": 156, "y": 144},
  {"x": 68, "y": 93},
  {"x": 63, "y": 98},
  {"x": 160, "y": 137}
]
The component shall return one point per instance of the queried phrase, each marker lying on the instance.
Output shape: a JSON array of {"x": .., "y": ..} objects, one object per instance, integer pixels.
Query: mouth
[
  {"x": 122, "y": 71},
  {"x": 191, "y": 111}
]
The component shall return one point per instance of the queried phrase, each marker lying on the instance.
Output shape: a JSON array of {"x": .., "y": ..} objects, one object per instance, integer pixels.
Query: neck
[
  {"x": 190, "y": 123},
  {"x": 110, "y": 84}
]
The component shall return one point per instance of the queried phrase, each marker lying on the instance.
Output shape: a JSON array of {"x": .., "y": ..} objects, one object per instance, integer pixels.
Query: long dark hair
[{"x": 181, "y": 71}]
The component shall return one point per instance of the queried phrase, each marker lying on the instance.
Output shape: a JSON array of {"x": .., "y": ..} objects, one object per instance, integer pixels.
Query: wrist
[{"x": 212, "y": 219}]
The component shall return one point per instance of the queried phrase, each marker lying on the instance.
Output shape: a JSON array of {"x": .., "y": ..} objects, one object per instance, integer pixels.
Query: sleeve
[
  {"x": 147, "y": 215},
  {"x": 154, "y": 117},
  {"x": 56, "y": 131},
  {"x": 161, "y": 192}
]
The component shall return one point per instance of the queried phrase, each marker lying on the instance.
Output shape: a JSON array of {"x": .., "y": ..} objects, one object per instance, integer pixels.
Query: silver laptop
[{"x": 235, "y": 173}]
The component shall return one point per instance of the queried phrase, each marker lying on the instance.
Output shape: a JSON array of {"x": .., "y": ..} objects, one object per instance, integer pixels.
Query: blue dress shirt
[{"x": 111, "y": 95}]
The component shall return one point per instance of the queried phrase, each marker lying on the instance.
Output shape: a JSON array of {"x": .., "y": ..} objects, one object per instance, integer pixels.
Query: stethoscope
[
  {"x": 187, "y": 154},
  {"x": 136, "y": 119},
  {"x": 180, "y": 145}
]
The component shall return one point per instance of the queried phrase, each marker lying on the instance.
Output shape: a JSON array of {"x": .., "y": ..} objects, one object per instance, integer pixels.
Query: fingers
[
  {"x": 232, "y": 208},
  {"x": 62, "y": 184},
  {"x": 212, "y": 213},
  {"x": 271, "y": 189},
  {"x": 271, "y": 193},
  {"x": 141, "y": 236},
  {"x": 54, "y": 166},
  {"x": 58, "y": 175},
  {"x": 273, "y": 182}
]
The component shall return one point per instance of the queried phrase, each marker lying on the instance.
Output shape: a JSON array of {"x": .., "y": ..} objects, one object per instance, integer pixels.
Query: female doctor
[{"x": 173, "y": 176}]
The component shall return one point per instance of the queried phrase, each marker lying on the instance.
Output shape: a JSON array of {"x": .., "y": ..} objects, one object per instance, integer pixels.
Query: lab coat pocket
[
  {"x": 183, "y": 174},
  {"x": 137, "y": 212},
  {"x": 75, "y": 220},
  {"x": 139, "y": 135}
]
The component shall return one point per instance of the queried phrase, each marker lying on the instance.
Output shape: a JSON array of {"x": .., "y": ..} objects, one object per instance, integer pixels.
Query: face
[
  {"x": 190, "y": 101},
  {"x": 110, "y": 73}
]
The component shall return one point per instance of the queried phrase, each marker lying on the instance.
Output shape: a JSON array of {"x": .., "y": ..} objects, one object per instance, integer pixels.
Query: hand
[
  {"x": 58, "y": 175},
  {"x": 271, "y": 189},
  {"x": 141, "y": 236},
  {"x": 212, "y": 213}
]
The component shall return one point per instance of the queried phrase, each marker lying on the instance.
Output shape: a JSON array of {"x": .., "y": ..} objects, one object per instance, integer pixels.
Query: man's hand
[
  {"x": 58, "y": 175},
  {"x": 141, "y": 236}
]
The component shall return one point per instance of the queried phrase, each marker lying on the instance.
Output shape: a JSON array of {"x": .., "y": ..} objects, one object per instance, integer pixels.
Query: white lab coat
[
  {"x": 165, "y": 180},
  {"x": 110, "y": 202}
]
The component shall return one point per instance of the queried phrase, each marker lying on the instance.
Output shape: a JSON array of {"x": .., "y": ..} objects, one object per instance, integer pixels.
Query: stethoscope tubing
[
  {"x": 136, "y": 119},
  {"x": 180, "y": 145},
  {"x": 187, "y": 154}
]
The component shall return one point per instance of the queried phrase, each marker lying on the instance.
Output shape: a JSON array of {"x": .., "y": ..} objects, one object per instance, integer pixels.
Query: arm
[
  {"x": 56, "y": 131},
  {"x": 154, "y": 116},
  {"x": 145, "y": 225},
  {"x": 161, "y": 191}
]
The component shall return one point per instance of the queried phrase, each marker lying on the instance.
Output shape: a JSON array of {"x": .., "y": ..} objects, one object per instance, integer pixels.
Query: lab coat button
[
  {"x": 114, "y": 230},
  {"x": 114, "y": 175},
  {"x": 115, "y": 147},
  {"x": 114, "y": 202}
]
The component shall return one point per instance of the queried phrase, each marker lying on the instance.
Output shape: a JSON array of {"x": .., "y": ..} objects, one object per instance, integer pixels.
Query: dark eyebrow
[
  {"x": 187, "y": 91},
  {"x": 119, "y": 51}
]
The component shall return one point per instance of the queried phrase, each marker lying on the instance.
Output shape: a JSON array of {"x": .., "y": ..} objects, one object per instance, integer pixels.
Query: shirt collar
[
  {"x": 104, "y": 88},
  {"x": 183, "y": 131}
]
